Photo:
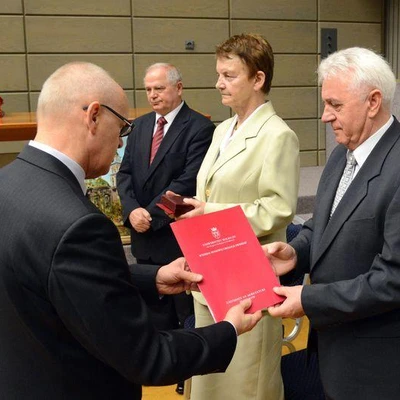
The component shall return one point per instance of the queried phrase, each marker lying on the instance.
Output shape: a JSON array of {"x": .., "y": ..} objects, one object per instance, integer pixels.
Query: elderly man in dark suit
[
  {"x": 73, "y": 324},
  {"x": 351, "y": 246},
  {"x": 160, "y": 158},
  {"x": 144, "y": 176}
]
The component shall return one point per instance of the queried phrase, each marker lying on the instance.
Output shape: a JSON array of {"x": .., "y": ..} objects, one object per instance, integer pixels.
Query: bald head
[
  {"x": 77, "y": 83},
  {"x": 74, "y": 116}
]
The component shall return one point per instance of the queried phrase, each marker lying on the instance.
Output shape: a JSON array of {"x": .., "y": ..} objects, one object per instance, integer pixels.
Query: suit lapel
[
  {"x": 176, "y": 128},
  {"x": 235, "y": 147},
  {"x": 357, "y": 191},
  {"x": 211, "y": 156},
  {"x": 238, "y": 143},
  {"x": 144, "y": 140},
  {"x": 326, "y": 193},
  {"x": 351, "y": 199}
]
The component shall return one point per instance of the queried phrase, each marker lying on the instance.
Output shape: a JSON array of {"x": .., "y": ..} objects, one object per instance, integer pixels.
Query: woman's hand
[{"x": 197, "y": 204}]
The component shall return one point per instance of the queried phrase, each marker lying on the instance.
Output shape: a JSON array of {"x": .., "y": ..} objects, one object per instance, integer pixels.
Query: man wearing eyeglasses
[
  {"x": 73, "y": 324},
  {"x": 144, "y": 176}
]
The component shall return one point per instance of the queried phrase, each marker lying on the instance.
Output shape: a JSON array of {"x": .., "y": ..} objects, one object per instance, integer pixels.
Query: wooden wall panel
[
  {"x": 167, "y": 35},
  {"x": 13, "y": 69},
  {"x": 181, "y": 8},
  {"x": 308, "y": 158},
  {"x": 12, "y": 34},
  {"x": 354, "y": 10},
  {"x": 78, "y": 7},
  {"x": 307, "y": 132},
  {"x": 295, "y": 103},
  {"x": 284, "y": 36},
  {"x": 275, "y": 9},
  {"x": 15, "y": 102},
  {"x": 78, "y": 35},
  {"x": 11, "y": 7},
  {"x": 295, "y": 70}
]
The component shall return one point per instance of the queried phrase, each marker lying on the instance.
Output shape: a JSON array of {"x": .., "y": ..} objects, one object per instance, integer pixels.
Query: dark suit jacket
[
  {"x": 175, "y": 168},
  {"x": 354, "y": 261},
  {"x": 73, "y": 325}
]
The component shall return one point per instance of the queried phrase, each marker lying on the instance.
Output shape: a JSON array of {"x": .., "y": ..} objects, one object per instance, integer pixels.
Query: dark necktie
[
  {"x": 346, "y": 179},
  {"x": 157, "y": 138}
]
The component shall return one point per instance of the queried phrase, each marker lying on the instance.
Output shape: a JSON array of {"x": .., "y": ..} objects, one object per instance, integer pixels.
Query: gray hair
[
  {"x": 173, "y": 74},
  {"x": 75, "y": 83},
  {"x": 370, "y": 71}
]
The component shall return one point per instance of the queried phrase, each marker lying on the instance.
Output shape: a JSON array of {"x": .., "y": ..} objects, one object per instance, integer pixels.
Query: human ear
[
  {"x": 374, "y": 101},
  {"x": 179, "y": 86},
  {"x": 92, "y": 116},
  {"x": 259, "y": 80}
]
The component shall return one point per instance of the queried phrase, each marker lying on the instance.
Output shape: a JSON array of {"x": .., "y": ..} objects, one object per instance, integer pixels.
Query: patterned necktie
[
  {"x": 346, "y": 179},
  {"x": 157, "y": 138}
]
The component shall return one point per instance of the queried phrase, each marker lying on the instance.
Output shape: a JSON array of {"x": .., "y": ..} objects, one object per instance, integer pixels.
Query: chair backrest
[{"x": 292, "y": 231}]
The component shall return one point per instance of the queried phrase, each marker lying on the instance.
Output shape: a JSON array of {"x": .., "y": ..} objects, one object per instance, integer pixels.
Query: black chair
[
  {"x": 291, "y": 232},
  {"x": 298, "y": 322}
]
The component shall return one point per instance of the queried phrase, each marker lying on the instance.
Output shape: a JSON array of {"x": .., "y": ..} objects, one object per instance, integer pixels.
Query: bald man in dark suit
[{"x": 73, "y": 323}]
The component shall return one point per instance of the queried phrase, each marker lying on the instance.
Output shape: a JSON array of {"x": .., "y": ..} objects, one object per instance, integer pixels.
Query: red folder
[{"x": 224, "y": 249}]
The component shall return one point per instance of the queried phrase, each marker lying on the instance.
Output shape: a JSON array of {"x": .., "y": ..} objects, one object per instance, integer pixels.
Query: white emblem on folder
[{"x": 215, "y": 232}]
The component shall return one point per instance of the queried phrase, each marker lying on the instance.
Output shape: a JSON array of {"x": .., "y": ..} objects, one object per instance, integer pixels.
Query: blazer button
[{"x": 208, "y": 192}]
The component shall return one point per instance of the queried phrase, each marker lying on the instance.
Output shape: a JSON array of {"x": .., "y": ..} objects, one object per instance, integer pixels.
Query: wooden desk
[
  {"x": 17, "y": 126},
  {"x": 22, "y": 126}
]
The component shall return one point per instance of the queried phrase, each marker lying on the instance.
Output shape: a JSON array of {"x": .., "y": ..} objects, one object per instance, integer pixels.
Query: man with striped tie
[
  {"x": 163, "y": 153},
  {"x": 351, "y": 246}
]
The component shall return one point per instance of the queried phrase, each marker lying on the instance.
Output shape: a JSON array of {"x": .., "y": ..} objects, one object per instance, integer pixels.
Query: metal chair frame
[{"x": 288, "y": 339}]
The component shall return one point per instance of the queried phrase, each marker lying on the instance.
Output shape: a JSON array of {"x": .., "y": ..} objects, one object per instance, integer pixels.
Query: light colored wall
[{"x": 125, "y": 36}]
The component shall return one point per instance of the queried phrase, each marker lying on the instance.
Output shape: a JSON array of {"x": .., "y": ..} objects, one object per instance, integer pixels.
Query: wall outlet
[
  {"x": 189, "y": 44},
  {"x": 328, "y": 41}
]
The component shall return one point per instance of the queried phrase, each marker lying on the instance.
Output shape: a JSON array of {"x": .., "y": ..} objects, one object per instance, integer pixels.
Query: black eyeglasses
[{"x": 126, "y": 129}]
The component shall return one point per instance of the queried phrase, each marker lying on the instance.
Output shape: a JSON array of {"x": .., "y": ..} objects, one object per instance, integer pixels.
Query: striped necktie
[
  {"x": 346, "y": 179},
  {"x": 158, "y": 137}
]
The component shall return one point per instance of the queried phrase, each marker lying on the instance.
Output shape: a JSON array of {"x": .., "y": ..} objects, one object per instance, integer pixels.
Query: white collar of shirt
[
  {"x": 72, "y": 165},
  {"x": 232, "y": 132},
  {"x": 362, "y": 152},
  {"x": 169, "y": 117}
]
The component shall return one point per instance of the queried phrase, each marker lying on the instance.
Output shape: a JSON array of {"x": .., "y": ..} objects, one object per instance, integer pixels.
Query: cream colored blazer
[{"x": 259, "y": 170}]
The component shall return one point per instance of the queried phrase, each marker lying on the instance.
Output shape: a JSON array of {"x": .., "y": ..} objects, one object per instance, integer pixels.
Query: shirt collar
[
  {"x": 72, "y": 165},
  {"x": 362, "y": 152},
  {"x": 169, "y": 117},
  {"x": 230, "y": 133}
]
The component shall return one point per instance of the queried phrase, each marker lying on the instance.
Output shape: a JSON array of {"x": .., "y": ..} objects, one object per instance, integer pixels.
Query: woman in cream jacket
[{"x": 253, "y": 161}]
